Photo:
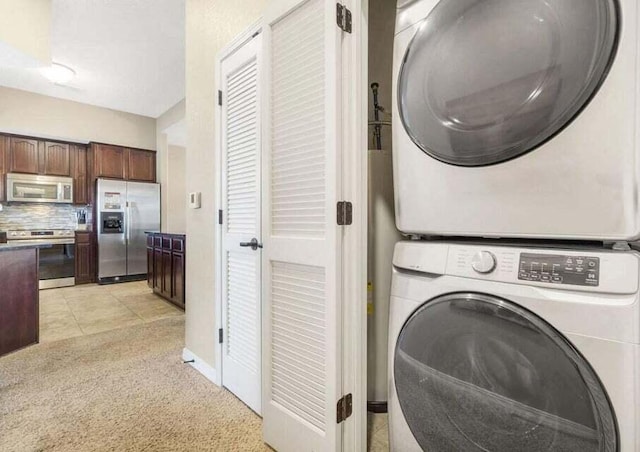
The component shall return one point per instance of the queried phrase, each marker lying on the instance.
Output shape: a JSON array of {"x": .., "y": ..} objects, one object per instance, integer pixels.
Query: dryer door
[
  {"x": 475, "y": 372},
  {"x": 484, "y": 81}
]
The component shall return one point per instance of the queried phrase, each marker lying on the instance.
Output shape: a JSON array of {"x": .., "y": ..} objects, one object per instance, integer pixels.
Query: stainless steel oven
[{"x": 57, "y": 259}]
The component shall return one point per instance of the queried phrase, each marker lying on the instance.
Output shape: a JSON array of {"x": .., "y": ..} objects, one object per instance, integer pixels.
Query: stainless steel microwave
[{"x": 34, "y": 188}]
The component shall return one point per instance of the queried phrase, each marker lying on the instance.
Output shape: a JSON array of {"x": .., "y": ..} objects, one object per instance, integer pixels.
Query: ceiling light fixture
[{"x": 58, "y": 73}]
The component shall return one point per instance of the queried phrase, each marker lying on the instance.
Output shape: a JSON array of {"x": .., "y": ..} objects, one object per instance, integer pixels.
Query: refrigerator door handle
[{"x": 128, "y": 223}]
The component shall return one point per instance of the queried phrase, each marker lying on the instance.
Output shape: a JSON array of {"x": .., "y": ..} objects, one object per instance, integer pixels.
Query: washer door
[
  {"x": 478, "y": 373},
  {"x": 484, "y": 81}
]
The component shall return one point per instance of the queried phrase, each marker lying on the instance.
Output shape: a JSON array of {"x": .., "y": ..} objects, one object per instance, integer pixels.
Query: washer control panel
[{"x": 560, "y": 269}]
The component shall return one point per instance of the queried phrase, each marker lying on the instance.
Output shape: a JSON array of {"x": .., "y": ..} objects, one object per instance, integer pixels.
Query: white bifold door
[
  {"x": 302, "y": 265},
  {"x": 241, "y": 235}
]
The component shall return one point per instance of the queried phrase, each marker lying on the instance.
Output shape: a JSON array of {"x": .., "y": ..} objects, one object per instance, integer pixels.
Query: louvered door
[
  {"x": 302, "y": 242},
  {"x": 241, "y": 350}
]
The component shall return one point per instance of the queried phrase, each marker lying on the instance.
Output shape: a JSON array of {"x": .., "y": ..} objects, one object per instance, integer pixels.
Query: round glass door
[
  {"x": 478, "y": 373},
  {"x": 484, "y": 81}
]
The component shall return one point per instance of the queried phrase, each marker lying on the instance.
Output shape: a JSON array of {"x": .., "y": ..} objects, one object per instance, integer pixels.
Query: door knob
[{"x": 253, "y": 244}]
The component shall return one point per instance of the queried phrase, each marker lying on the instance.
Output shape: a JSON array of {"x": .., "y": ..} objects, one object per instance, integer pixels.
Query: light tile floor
[
  {"x": 89, "y": 309},
  {"x": 378, "y": 432}
]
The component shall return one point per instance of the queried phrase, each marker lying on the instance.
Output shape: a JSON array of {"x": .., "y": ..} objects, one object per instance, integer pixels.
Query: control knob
[{"x": 483, "y": 262}]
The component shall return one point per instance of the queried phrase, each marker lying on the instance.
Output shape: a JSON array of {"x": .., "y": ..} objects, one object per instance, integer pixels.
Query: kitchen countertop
[
  {"x": 15, "y": 246},
  {"x": 165, "y": 233}
]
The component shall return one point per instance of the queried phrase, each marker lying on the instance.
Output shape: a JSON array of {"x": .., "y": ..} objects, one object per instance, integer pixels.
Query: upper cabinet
[
  {"x": 109, "y": 161},
  {"x": 78, "y": 163},
  {"x": 142, "y": 165},
  {"x": 30, "y": 156},
  {"x": 55, "y": 159},
  {"x": 82, "y": 163},
  {"x": 116, "y": 162},
  {"x": 23, "y": 156},
  {"x": 4, "y": 146}
]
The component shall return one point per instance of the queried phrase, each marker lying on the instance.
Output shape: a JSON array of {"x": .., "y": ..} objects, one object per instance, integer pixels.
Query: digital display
[{"x": 559, "y": 269}]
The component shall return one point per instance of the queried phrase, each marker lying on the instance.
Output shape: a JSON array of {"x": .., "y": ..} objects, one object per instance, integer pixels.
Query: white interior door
[
  {"x": 241, "y": 275},
  {"x": 302, "y": 241}
]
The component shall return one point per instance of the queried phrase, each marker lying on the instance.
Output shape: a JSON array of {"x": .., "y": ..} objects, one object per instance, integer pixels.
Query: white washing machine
[
  {"x": 517, "y": 118},
  {"x": 498, "y": 348}
]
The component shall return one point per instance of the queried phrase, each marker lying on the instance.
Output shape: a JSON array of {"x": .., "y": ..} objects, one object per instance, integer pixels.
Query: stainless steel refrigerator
[{"x": 125, "y": 211}]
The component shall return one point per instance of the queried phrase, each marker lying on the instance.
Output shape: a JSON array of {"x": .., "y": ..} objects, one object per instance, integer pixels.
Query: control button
[
  {"x": 545, "y": 278},
  {"x": 483, "y": 262},
  {"x": 592, "y": 264},
  {"x": 535, "y": 277},
  {"x": 556, "y": 279}
]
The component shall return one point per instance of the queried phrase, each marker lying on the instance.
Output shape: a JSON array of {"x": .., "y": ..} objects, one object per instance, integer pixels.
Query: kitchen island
[
  {"x": 19, "y": 296},
  {"x": 166, "y": 266}
]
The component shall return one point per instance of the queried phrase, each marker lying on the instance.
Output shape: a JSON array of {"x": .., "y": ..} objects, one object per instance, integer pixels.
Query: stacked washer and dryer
[{"x": 515, "y": 309}]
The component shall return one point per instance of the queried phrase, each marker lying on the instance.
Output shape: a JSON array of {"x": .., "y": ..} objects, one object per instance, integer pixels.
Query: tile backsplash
[{"x": 16, "y": 216}]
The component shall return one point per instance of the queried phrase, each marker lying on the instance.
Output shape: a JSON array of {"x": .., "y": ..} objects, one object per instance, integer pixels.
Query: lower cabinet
[
  {"x": 85, "y": 257},
  {"x": 19, "y": 318},
  {"x": 166, "y": 265}
]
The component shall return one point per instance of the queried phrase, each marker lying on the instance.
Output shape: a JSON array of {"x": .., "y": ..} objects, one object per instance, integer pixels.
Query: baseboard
[
  {"x": 198, "y": 364},
  {"x": 121, "y": 279}
]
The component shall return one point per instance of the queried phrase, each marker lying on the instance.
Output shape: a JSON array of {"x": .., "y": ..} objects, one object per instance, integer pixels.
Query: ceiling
[{"x": 128, "y": 55}]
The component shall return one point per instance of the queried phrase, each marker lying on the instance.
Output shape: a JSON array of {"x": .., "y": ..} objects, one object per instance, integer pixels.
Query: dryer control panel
[{"x": 560, "y": 269}]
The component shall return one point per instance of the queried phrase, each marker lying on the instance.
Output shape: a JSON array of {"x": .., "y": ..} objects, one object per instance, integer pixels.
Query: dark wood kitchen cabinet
[
  {"x": 55, "y": 159},
  {"x": 19, "y": 299},
  {"x": 33, "y": 156},
  {"x": 23, "y": 155},
  {"x": 78, "y": 158},
  {"x": 117, "y": 162},
  {"x": 85, "y": 257},
  {"x": 166, "y": 265},
  {"x": 142, "y": 165},
  {"x": 4, "y": 148},
  {"x": 109, "y": 161}
]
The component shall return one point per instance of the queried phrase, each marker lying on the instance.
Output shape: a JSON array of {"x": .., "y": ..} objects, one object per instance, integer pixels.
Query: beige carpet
[{"x": 123, "y": 390}]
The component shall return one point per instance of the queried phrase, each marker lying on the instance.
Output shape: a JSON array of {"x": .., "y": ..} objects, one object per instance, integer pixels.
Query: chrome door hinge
[
  {"x": 220, "y": 97},
  {"x": 345, "y": 407},
  {"x": 343, "y": 17},
  {"x": 220, "y": 216},
  {"x": 220, "y": 336},
  {"x": 345, "y": 213}
]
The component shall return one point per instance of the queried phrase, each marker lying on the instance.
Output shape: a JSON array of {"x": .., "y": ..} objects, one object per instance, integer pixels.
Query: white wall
[
  {"x": 26, "y": 113},
  {"x": 382, "y": 234},
  {"x": 175, "y": 191},
  {"x": 211, "y": 24},
  {"x": 382, "y": 16},
  {"x": 171, "y": 165}
]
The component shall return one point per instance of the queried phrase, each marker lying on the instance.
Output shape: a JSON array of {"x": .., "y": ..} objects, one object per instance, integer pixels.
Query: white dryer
[
  {"x": 517, "y": 118},
  {"x": 497, "y": 348}
]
